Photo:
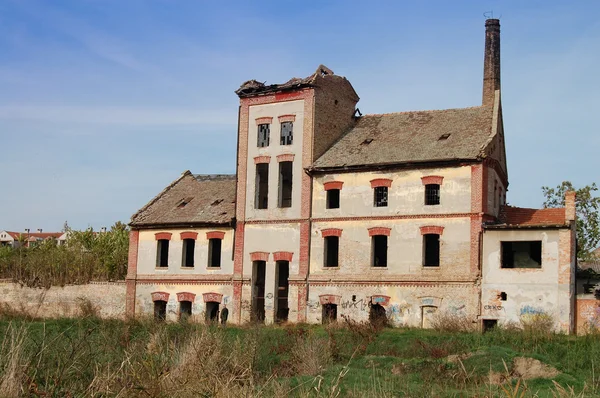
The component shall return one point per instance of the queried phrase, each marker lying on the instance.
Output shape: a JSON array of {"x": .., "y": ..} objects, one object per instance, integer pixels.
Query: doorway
[
  {"x": 377, "y": 315},
  {"x": 258, "y": 290},
  {"x": 212, "y": 311},
  {"x": 427, "y": 316},
  {"x": 329, "y": 313},
  {"x": 185, "y": 310},
  {"x": 282, "y": 273},
  {"x": 160, "y": 310}
]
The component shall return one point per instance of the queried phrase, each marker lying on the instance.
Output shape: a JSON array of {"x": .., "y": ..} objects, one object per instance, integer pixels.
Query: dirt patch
[
  {"x": 461, "y": 357},
  {"x": 496, "y": 378},
  {"x": 529, "y": 368}
]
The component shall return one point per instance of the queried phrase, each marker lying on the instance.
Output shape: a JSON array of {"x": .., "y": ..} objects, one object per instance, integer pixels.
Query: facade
[
  {"x": 333, "y": 214},
  {"x": 27, "y": 238}
]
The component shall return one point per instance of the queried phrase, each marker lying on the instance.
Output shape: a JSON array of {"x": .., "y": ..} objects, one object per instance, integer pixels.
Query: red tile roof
[
  {"x": 532, "y": 217},
  {"x": 42, "y": 235}
]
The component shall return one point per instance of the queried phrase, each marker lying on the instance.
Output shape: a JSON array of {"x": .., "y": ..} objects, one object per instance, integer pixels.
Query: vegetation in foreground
[{"x": 140, "y": 358}]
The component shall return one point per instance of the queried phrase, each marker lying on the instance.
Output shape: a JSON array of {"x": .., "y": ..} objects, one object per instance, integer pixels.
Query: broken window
[
  {"x": 162, "y": 253},
  {"x": 160, "y": 310},
  {"x": 214, "y": 252},
  {"x": 333, "y": 199},
  {"x": 431, "y": 250},
  {"x": 379, "y": 251},
  {"x": 188, "y": 252},
  {"x": 262, "y": 186},
  {"x": 522, "y": 254},
  {"x": 380, "y": 196},
  {"x": 432, "y": 194},
  {"x": 263, "y": 135},
  {"x": 287, "y": 134},
  {"x": 332, "y": 247},
  {"x": 285, "y": 184},
  {"x": 185, "y": 310}
]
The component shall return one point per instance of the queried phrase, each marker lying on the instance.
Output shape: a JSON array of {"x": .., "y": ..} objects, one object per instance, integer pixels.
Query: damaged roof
[
  {"x": 412, "y": 137},
  {"x": 254, "y": 87},
  {"x": 192, "y": 199},
  {"x": 511, "y": 216}
]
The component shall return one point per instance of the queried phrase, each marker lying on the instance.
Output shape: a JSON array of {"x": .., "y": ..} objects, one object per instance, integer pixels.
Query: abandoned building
[{"x": 334, "y": 214}]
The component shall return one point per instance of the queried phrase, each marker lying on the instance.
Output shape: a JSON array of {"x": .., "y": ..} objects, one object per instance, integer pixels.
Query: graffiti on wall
[
  {"x": 358, "y": 305},
  {"x": 529, "y": 310},
  {"x": 591, "y": 314},
  {"x": 397, "y": 312}
]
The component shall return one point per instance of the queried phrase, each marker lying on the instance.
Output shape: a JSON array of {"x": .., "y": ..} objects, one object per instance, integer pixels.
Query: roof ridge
[{"x": 427, "y": 110}]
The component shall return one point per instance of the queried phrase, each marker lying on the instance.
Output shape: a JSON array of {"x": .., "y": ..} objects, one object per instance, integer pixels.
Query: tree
[{"x": 588, "y": 217}]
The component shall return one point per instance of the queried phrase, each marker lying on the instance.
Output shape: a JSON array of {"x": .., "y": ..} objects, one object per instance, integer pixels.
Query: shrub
[{"x": 447, "y": 322}]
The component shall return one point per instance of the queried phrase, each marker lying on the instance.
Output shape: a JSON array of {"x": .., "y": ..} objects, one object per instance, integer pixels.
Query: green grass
[{"x": 93, "y": 357}]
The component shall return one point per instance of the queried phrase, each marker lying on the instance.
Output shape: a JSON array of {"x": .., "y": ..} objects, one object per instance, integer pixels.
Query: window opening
[
  {"x": 522, "y": 254},
  {"x": 332, "y": 246},
  {"x": 287, "y": 134},
  {"x": 379, "y": 251},
  {"x": 212, "y": 312},
  {"x": 489, "y": 324},
  {"x": 285, "y": 184},
  {"x": 263, "y": 135},
  {"x": 258, "y": 291},
  {"x": 162, "y": 253},
  {"x": 214, "y": 253},
  {"x": 329, "y": 313},
  {"x": 380, "y": 196},
  {"x": 282, "y": 288},
  {"x": 432, "y": 194},
  {"x": 431, "y": 250},
  {"x": 185, "y": 310},
  {"x": 160, "y": 310},
  {"x": 333, "y": 199},
  {"x": 503, "y": 296},
  {"x": 188, "y": 252},
  {"x": 262, "y": 186}
]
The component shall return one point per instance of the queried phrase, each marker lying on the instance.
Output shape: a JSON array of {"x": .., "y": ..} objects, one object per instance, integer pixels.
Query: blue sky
[{"x": 103, "y": 103}]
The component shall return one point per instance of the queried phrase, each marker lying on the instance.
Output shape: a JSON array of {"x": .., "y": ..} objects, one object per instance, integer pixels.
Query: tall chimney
[{"x": 491, "y": 61}]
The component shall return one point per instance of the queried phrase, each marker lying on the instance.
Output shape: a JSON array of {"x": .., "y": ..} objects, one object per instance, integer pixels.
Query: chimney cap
[{"x": 492, "y": 22}]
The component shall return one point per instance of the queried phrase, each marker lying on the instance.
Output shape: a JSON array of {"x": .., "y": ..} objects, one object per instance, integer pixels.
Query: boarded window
[
  {"x": 185, "y": 310},
  {"x": 432, "y": 194},
  {"x": 162, "y": 253},
  {"x": 287, "y": 135},
  {"x": 160, "y": 310},
  {"x": 379, "y": 249},
  {"x": 522, "y": 254},
  {"x": 214, "y": 252},
  {"x": 262, "y": 186},
  {"x": 285, "y": 184},
  {"x": 263, "y": 135},
  {"x": 188, "y": 252},
  {"x": 380, "y": 196},
  {"x": 431, "y": 250},
  {"x": 332, "y": 247},
  {"x": 333, "y": 199}
]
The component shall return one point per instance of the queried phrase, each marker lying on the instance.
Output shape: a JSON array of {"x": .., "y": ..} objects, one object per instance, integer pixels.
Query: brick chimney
[
  {"x": 570, "y": 206},
  {"x": 491, "y": 61}
]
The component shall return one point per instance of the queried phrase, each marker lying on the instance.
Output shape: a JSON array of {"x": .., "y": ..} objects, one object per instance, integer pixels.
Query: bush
[{"x": 446, "y": 322}]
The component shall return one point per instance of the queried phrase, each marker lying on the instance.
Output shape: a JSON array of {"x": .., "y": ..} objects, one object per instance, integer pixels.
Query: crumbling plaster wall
[
  {"x": 108, "y": 298},
  {"x": 148, "y": 247},
  {"x": 405, "y": 304},
  {"x": 529, "y": 292},
  {"x": 406, "y": 196},
  {"x": 145, "y": 305},
  {"x": 274, "y": 110}
]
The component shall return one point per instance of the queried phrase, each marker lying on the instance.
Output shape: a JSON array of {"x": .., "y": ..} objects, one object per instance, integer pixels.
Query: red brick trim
[
  {"x": 186, "y": 296},
  {"x": 264, "y": 120},
  {"x": 212, "y": 297},
  {"x": 286, "y": 118},
  {"x": 333, "y": 185},
  {"x": 132, "y": 258},
  {"x": 381, "y": 182},
  {"x": 282, "y": 256},
  {"x": 215, "y": 235},
  {"x": 287, "y": 157},
  {"x": 432, "y": 229},
  {"x": 188, "y": 235},
  {"x": 379, "y": 231},
  {"x": 432, "y": 180},
  {"x": 163, "y": 235},
  {"x": 160, "y": 296},
  {"x": 130, "y": 286},
  {"x": 331, "y": 232},
  {"x": 330, "y": 299},
  {"x": 380, "y": 299},
  {"x": 262, "y": 159},
  {"x": 259, "y": 256}
]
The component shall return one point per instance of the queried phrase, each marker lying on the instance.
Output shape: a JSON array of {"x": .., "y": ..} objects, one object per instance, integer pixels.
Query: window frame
[
  {"x": 283, "y": 188},
  {"x": 328, "y": 241},
  {"x": 162, "y": 253},
  {"x": 433, "y": 194},
  {"x": 330, "y": 196},
  {"x": 289, "y": 138},
  {"x": 503, "y": 251},
  {"x": 427, "y": 241},
  {"x": 212, "y": 242},
  {"x": 383, "y": 193},
  {"x": 261, "y": 188},
  {"x": 185, "y": 251},
  {"x": 266, "y": 140},
  {"x": 374, "y": 249}
]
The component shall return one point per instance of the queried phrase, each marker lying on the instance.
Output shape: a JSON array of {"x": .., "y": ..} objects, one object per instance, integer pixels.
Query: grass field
[{"x": 93, "y": 357}]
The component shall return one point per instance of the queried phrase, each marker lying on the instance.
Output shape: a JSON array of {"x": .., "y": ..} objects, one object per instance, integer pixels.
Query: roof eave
[
  {"x": 229, "y": 223},
  {"x": 394, "y": 165},
  {"x": 538, "y": 226}
]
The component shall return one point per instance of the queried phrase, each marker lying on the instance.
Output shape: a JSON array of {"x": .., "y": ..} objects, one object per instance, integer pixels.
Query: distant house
[{"x": 13, "y": 239}]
